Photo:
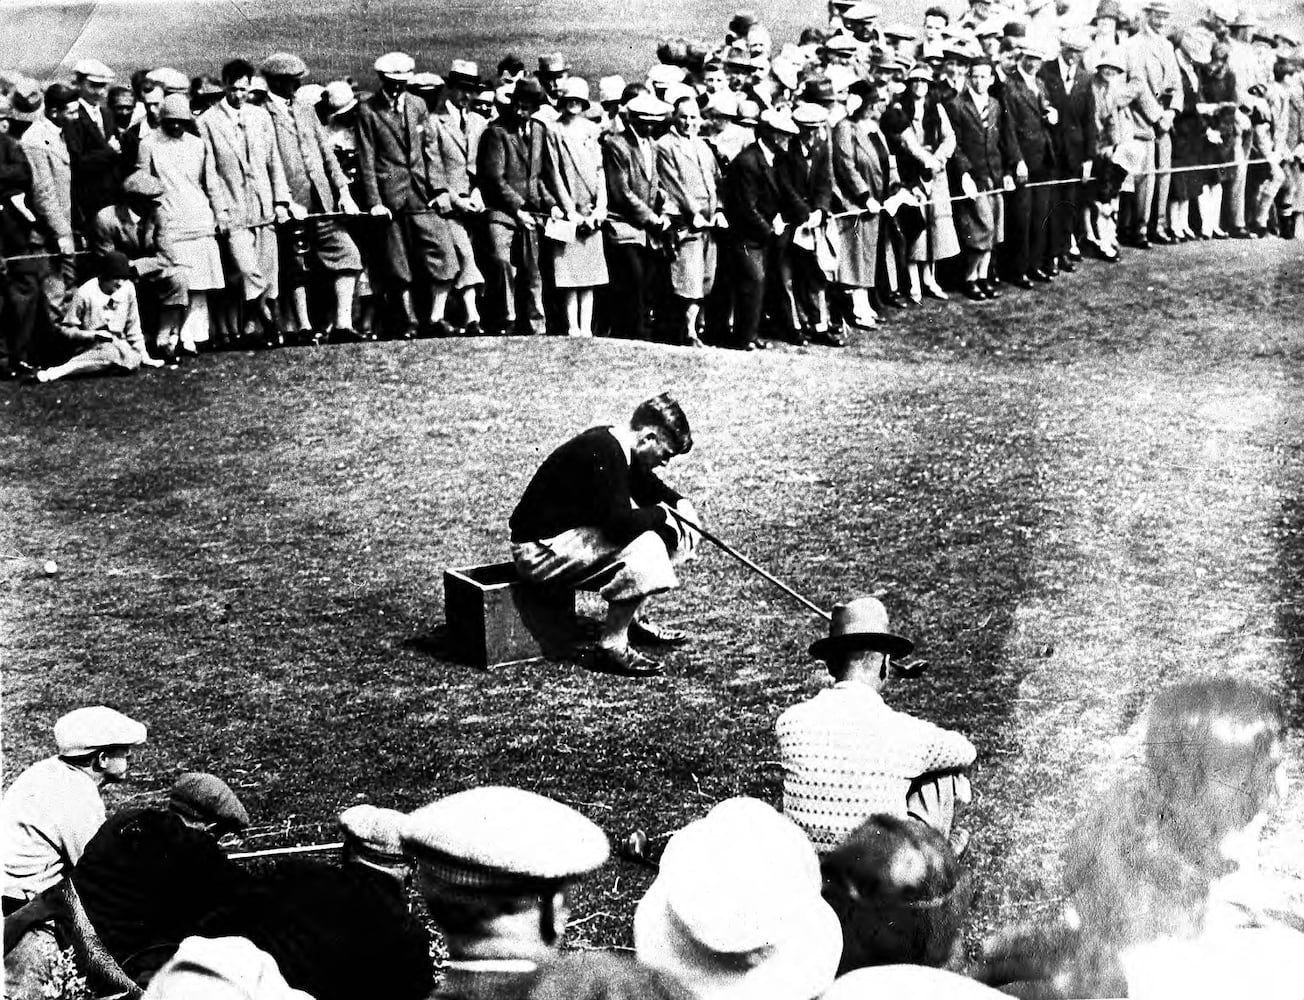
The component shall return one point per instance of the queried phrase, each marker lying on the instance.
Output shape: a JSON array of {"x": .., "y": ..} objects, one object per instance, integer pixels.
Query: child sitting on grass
[{"x": 104, "y": 321}]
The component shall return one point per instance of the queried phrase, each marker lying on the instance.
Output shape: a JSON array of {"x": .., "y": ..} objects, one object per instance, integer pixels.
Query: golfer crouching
[{"x": 596, "y": 515}]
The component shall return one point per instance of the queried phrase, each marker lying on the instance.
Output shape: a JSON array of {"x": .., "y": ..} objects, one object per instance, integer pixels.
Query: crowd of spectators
[
  {"x": 1163, "y": 893},
  {"x": 738, "y": 193}
]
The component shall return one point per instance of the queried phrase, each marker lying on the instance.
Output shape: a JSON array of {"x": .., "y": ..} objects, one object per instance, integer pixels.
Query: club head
[{"x": 910, "y": 668}]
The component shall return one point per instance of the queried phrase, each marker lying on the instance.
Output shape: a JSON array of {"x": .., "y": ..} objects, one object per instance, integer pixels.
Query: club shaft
[
  {"x": 730, "y": 550},
  {"x": 279, "y": 851}
]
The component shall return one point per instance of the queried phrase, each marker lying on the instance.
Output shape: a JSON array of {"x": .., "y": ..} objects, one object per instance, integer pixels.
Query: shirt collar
[
  {"x": 277, "y": 101},
  {"x": 235, "y": 114},
  {"x": 767, "y": 154},
  {"x": 1030, "y": 80},
  {"x": 94, "y": 110}
]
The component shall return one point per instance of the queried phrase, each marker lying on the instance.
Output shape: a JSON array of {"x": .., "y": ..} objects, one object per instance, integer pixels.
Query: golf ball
[{"x": 51, "y": 567}]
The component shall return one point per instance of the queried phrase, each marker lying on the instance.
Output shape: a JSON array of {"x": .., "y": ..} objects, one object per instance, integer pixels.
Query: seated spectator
[
  {"x": 494, "y": 865},
  {"x": 847, "y": 755},
  {"x": 103, "y": 325},
  {"x": 899, "y": 893},
  {"x": 137, "y": 229},
  {"x": 735, "y": 911},
  {"x": 150, "y": 875},
  {"x": 50, "y": 813},
  {"x": 598, "y": 975},
  {"x": 1162, "y": 898},
  {"x": 221, "y": 969},
  {"x": 338, "y": 933}
]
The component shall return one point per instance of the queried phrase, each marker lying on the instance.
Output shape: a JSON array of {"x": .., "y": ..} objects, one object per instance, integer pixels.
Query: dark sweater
[{"x": 588, "y": 482}]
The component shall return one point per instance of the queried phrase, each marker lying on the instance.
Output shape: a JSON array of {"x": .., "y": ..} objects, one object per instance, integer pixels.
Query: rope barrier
[{"x": 190, "y": 235}]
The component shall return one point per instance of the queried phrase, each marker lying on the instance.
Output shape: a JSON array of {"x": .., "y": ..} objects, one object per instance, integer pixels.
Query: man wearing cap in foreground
[
  {"x": 47, "y": 817},
  {"x": 150, "y": 875},
  {"x": 634, "y": 216},
  {"x": 316, "y": 186},
  {"x": 595, "y": 512},
  {"x": 94, "y": 142},
  {"x": 395, "y": 186},
  {"x": 752, "y": 204},
  {"x": 493, "y": 865},
  {"x": 135, "y": 228},
  {"x": 847, "y": 755},
  {"x": 338, "y": 931}
]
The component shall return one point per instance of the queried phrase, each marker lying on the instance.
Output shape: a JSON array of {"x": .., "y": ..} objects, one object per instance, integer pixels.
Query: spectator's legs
[
  {"x": 530, "y": 316},
  {"x": 749, "y": 293},
  {"x": 90, "y": 361},
  {"x": 1240, "y": 180},
  {"x": 1163, "y": 184},
  {"x": 628, "y": 283},
  {"x": 20, "y": 308},
  {"x": 194, "y": 329},
  {"x": 1145, "y": 192}
]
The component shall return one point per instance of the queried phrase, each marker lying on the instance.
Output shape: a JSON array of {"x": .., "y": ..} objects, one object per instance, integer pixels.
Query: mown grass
[{"x": 1066, "y": 501}]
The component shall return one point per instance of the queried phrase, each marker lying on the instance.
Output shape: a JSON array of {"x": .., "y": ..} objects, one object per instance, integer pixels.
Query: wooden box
[{"x": 483, "y": 608}]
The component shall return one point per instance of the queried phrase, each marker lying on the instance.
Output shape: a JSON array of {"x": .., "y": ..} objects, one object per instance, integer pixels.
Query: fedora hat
[
  {"x": 860, "y": 624},
  {"x": 528, "y": 92},
  {"x": 735, "y": 912},
  {"x": 553, "y": 64},
  {"x": 464, "y": 74}
]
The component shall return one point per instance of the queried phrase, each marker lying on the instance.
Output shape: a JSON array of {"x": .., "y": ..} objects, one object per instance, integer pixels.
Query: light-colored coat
[
  {"x": 47, "y": 152},
  {"x": 310, "y": 167},
  {"x": 451, "y": 148},
  {"x": 1151, "y": 62},
  {"x": 690, "y": 175},
  {"x": 248, "y": 166}
]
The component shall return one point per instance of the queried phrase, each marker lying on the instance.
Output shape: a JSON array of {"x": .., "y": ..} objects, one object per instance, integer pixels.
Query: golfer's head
[{"x": 661, "y": 431}]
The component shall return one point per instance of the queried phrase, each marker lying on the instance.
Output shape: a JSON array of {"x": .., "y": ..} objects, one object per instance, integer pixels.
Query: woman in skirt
[
  {"x": 926, "y": 146},
  {"x": 573, "y": 175}
]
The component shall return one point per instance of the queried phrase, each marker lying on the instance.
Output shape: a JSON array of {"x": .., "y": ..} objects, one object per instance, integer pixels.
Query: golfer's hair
[
  {"x": 899, "y": 893},
  {"x": 663, "y": 413}
]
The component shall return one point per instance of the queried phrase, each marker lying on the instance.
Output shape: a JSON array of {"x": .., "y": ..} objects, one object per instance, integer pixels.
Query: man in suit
[
  {"x": 806, "y": 177},
  {"x": 135, "y": 228},
  {"x": 452, "y": 143},
  {"x": 752, "y": 205},
  {"x": 1068, "y": 85},
  {"x": 242, "y": 144},
  {"x": 20, "y": 280},
  {"x": 986, "y": 158},
  {"x": 509, "y": 170},
  {"x": 635, "y": 217},
  {"x": 47, "y": 152},
  {"x": 1032, "y": 118},
  {"x": 395, "y": 186},
  {"x": 316, "y": 186},
  {"x": 94, "y": 142},
  {"x": 1152, "y": 68},
  {"x": 151, "y": 99}
]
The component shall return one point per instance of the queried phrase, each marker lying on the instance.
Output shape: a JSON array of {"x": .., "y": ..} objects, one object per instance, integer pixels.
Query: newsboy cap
[
  {"x": 396, "y": 65},
  {"x": 85, "y": 730},
  {"x": 374, "y": 835},
  {"x": 93, "y": 70},
  {"x": 283, "y": 64},
  {"x": 499, "y": 841},
  {"x": 142, "y": 184},
  {"x": 647, "y": 106},
  {"x": 169, "y": 79},
  {"x": 207, "y": 798},
  {"x": 464, "y": 74}
]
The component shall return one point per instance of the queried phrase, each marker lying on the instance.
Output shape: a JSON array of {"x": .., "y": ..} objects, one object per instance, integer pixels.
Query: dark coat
[
  {"x": 97, "y": 168},
  {"x": 1026, "y": 109},
  {"x": 18, "y": 234},
  {"x": 751, "y": 197},
  {"x": 509, "y": 169},
  {"x": 1075, "y": 134},
  {"x": 391, "y": 154},
  {"x": 806, "y": 180},
  {"x": 633, "y": 188},
  {"x": 985, "y": 145}
]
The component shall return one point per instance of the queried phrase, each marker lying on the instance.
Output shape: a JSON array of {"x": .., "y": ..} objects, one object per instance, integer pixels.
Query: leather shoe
[
  {"x": 1067, "y": 265},
  {"x": 974, "y": 291},
  {"x": 1162, "y": 239},
  {"x": 623, "y": 663},
  {"x": 471, "y": 329},
  {"x": 343, "y": 335},
  {"x": 647, "y": 634},
  {"x": 1036, "y": 274},
  {"x": 828, "y": 338},
  {"x": 989, "y": 289},
  {"x": 1022, "y": 281}
]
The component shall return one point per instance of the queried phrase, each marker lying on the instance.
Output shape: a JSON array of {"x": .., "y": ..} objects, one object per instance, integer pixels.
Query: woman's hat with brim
[
  {"x": 574, "y": 88},
  {"x": 860, "y": 625},
  {"x": 176, "y": 107},
  {"x": 341, "y": 98},
  {"x": 735, "y": 912}
]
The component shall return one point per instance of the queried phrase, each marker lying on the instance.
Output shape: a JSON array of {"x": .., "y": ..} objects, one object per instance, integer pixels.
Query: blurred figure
[
  {"x": 735, "y": 911},
  {"x": 1164, "y": 899},
  {"x": 20, "y": 280},
  {"x": 899, "y": 893},
  {"x": 226, "y": 968},
  {"x": 600, "y": 975}
]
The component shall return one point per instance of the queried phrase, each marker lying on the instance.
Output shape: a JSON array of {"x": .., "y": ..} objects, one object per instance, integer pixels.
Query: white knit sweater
[{"x": 846, "y": 756}]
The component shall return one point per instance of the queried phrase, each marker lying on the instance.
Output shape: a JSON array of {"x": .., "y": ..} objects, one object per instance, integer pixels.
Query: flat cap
[
  {"x": 59, "y": 95},
  {"x": 810, "y": 115},
  {"x": 865, "y": 12},
  {"x": 85, "y": 730},
  {"x": 143, "y": 184},
  {"x": 465, "y": 74},
  {"x": 168, "y": 78},
  {"x": 425, "y": 81},
  {"x": 374, "y": 834},
  {"x": 93, "y": 70},
  {"x": 901, "y": 32},
  {"x": 283, "y": 64},
  {"x": 663, "y": 74},
  {"x": 176, "y": 107},
  {"x": 396, "y": 65},
  {"x": 841, "y": 42},
  {"x": 340, "y": 97},
  {"x": 501, "y": 841},
  {"x": 207, "y": 798},
  {"x": 777, "y": 121}
]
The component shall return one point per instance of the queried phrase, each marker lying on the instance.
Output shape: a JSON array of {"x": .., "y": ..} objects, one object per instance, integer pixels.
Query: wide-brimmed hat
[
  {"x": 464, "y": 75},
  {"x": 735, "y": 912},
  {"x": 859, "y": 625},
  {"x": 862, "y": 12},
  {"x": 341, "y": 98},
  {"x": 574, "y": 88},
  {"x": 1108, "y": 8},
  {"x": 663, "y": 75},
  {"x": 900, "y": 32},
  {"x": 553, "y": 64}
]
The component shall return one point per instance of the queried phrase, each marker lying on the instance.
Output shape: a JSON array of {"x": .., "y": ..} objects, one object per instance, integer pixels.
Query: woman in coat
[
  {"x": 863, "y": 173},
  {"x": 573, "y": 175},
  {"x": 1193, "y": 51},
  {"x": 1218, "y": 104},
  {"x": 926, "y": 146},
  {"x": 195, "y": 207}
]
